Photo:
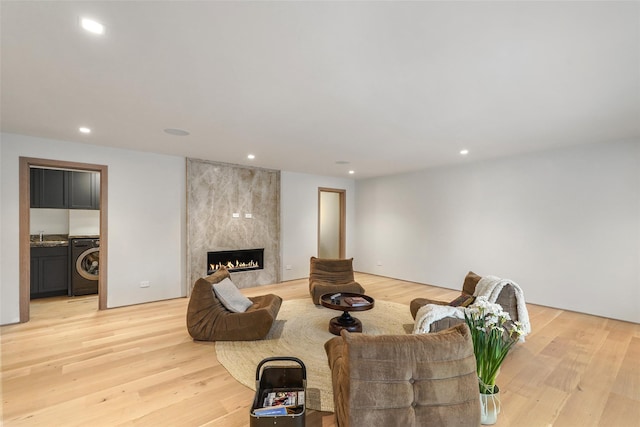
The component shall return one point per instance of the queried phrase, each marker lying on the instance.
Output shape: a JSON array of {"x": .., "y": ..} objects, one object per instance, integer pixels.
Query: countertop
[{"x": 49, "y": 240}]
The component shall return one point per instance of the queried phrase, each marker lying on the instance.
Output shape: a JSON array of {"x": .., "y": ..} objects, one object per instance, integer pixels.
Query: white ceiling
[{"x": 387, "y": 86}]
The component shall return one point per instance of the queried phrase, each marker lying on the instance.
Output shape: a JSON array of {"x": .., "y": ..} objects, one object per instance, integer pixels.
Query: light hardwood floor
[{"x": 73, "y": 365}]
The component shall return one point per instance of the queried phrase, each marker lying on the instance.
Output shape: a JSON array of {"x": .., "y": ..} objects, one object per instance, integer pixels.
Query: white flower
[
  {"x": 487, "y": 322},
  {"x": 516, "y": 329}
]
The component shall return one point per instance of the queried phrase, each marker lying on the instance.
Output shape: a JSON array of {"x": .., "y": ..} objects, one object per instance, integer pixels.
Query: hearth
[{"x": 236, "y": 260}]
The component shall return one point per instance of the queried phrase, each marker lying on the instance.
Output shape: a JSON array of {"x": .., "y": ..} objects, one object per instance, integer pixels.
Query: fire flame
[{"x": 230, "y": 265}]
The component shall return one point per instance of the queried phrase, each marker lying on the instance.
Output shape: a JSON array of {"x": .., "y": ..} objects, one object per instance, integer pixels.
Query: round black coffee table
[{"x": 339, "y": 301}]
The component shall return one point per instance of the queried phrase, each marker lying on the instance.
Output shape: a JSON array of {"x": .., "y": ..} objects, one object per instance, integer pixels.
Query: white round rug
[{"x": 300, "y": 330}]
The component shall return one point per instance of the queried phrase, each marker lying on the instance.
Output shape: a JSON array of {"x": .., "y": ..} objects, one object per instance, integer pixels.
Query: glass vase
[{"x": 490, "y": 407}]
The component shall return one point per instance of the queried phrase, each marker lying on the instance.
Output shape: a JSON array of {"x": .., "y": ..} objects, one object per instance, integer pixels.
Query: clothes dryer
[{"x": 85, "y": 266}]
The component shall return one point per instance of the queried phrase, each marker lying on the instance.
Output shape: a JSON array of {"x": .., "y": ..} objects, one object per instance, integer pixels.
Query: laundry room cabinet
[
  {"x": 49, "y": 271},
  {"x": 62, "y": 189},
  {"x": 84, "y": 190},
  {"x": 49, "y": 188}
]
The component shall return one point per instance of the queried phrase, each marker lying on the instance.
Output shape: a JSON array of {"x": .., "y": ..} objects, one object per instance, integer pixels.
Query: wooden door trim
[
  {"x": 23, "y": 234},
  {"x": 343, "y": 219}
]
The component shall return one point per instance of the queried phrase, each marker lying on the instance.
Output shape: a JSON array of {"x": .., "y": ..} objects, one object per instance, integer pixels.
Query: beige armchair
[
  {"x": 209, "y": 320},
  {"x": 331, "y": 276},
  {"x": 404, "y": 380}
]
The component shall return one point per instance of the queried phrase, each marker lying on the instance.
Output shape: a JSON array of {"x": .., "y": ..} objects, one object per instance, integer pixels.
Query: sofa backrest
[
  {"x": 508, "y": 302},
  {"x": 470, "y": 282},
  {"x": 411, "y": 380},
  {"x": 331, "y": 270},
  {"x": 204, "y": 307},
  {"x": 506, "y": 299}
]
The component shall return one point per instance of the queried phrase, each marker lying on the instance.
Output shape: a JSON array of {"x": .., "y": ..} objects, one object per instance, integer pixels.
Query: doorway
[
  {"x": 25, "y": 210},
  {"x": 331, "y": 223}
]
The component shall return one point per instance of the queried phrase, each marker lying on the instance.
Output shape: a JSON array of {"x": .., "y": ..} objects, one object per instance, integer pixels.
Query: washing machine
[{"x": 85, "y": 266}]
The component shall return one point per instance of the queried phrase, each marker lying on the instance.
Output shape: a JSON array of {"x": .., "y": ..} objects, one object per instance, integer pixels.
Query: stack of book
[
  {"x": 281, "y": 403},
  {"x": 356, "y": 301}
]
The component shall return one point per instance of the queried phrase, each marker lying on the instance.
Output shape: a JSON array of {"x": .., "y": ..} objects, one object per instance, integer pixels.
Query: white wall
[
  {"x": 563, "y": 224},
  {"x": 146, "y": 219},
  {"x": 84, "y": 222},
  {"x": 49, "y": 221},
  {"x": 299, "y": 219},
  {"x": 73, "y": 222}
]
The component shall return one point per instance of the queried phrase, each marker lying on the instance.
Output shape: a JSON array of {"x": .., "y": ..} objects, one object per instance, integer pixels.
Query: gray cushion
[{"x": 231, "y": 297}]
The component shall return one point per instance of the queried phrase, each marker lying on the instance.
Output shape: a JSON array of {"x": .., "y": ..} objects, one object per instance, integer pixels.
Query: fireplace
[{"x": 238, "y": 260}]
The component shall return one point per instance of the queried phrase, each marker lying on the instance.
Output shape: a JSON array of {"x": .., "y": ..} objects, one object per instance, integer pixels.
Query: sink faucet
[{"x": 41, "y": 235}]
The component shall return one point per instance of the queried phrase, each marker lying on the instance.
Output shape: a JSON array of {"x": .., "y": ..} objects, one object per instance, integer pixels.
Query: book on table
[{"x": 356, "y": 301}]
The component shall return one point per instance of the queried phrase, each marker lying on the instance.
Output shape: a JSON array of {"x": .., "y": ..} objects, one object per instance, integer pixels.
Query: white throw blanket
[
  {"x": 427, "y": 314},
  {"x": 490, "y": 287}
]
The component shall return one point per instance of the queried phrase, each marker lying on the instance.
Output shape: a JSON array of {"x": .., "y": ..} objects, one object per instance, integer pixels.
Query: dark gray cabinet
[
  {"x": 49, "y": 271},
  {"x": 84, "y": 190},
  {"x": 51, "y": 188}
]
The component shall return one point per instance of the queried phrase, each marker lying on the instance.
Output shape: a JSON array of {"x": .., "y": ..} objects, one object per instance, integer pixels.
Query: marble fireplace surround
[{"x": 217, "y": 191}]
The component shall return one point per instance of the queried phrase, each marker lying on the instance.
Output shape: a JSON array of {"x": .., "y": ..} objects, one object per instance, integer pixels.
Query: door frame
[
  {"x": 343, "y": 218},
  {"x": 24, "y": 212}
]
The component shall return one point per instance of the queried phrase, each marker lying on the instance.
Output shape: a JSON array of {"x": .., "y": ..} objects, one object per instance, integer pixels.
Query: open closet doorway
[
  {"x": 26, "y": 163},
  {"x": 331, "y": 223}
]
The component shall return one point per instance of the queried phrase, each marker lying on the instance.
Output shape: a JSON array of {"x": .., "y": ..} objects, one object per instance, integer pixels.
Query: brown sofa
[
  {"x": 331, "y": 276},
  {"x": 506, "y": 299},
  {"x": 404, "y": 380},
  {"x": 209, "y": 320}
]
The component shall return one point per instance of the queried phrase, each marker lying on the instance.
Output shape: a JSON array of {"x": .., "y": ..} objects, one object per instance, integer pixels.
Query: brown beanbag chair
[
  {"x": 209, "y": 320},
  {"x": 331, "y": 276},
  {"x": 404, "y": 380}
]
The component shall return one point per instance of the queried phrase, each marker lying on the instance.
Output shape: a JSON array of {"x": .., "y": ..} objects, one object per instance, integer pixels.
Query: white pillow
[{"x": 231, "y": 297}]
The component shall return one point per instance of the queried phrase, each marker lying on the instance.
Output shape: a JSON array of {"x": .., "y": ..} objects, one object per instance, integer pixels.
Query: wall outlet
[
  {"x": 287, "y": 267},
  {"x": 248, "y": 215},
  {"x": 235, "y": 215},
  {"x": 145, "y": 284}
]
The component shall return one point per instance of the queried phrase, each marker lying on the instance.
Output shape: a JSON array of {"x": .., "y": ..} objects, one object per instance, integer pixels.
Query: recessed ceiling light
[
  {"x": 464, "y": 152},
  {"x": 251, "y": 157},
  {"x": 176, "y": 132},
  {"x": 84, "y": 129},
  {"x": 352, "y": 172},
  {"x": 92, "y": 26}
]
